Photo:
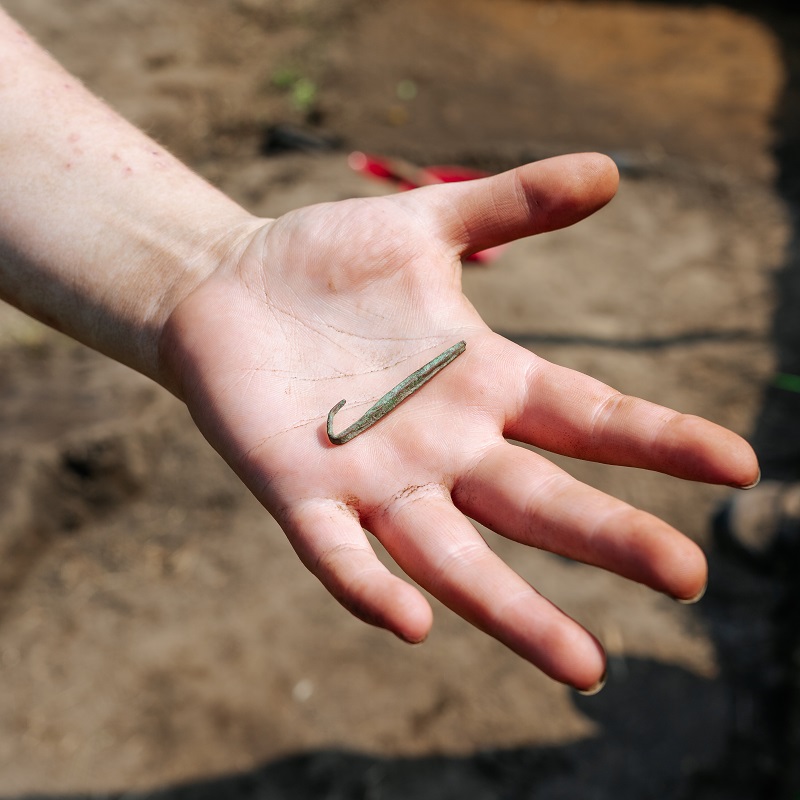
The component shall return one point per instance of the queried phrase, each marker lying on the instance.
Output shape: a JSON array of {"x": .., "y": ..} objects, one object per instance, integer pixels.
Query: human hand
[{"x": 344, "y": 300}]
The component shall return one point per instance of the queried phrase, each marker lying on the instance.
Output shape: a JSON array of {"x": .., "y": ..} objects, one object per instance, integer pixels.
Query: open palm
[{"x": 344, "y": 300}]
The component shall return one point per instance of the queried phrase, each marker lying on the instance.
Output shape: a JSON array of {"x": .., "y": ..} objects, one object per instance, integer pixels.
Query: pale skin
[{"x": 260, "y": 326}]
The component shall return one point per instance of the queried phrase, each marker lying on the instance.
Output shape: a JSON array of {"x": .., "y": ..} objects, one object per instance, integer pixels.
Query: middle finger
[{"x": 524, "y": 497}]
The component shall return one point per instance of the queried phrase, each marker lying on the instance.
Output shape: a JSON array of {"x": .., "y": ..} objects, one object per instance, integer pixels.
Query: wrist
[{"x": 175, "y": 325}]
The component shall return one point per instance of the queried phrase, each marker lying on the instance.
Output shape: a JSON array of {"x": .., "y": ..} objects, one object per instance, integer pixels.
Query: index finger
[{"x": 569, "y": 413}]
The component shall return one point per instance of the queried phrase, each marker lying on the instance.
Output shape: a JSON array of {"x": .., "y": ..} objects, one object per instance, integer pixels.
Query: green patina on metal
[{"x": 393, "y": 398}]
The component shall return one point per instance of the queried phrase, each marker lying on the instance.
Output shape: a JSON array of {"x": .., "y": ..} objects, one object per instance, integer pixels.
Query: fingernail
[
  {"x": 754, "y": 483},
  {"x": 696, "y": 599},
  {"x": 596, "y": 688},
  {"x": 412, "y": 642}
]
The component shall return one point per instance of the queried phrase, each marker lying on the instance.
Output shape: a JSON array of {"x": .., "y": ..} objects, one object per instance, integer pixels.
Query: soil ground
[{"x": 158, "y": 637}]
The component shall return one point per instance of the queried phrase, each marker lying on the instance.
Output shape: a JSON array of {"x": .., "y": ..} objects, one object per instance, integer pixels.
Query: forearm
[{"x": 102, "y": 231}]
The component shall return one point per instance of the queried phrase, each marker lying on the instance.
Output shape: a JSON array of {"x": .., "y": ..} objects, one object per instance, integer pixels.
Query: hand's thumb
[{"x": 538, "y": 197}]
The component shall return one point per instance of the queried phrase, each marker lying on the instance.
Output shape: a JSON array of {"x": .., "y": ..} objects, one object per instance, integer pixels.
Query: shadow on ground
[
  {"x": 776, "y": 435},
  {"x": 631, "y": 715}
]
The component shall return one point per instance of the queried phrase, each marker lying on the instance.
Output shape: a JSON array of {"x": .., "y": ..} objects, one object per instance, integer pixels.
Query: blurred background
[{"x": 158, "y": 637}]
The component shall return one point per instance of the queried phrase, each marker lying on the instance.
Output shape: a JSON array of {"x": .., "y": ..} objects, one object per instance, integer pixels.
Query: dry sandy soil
[{"x": 159, "y": 638}]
